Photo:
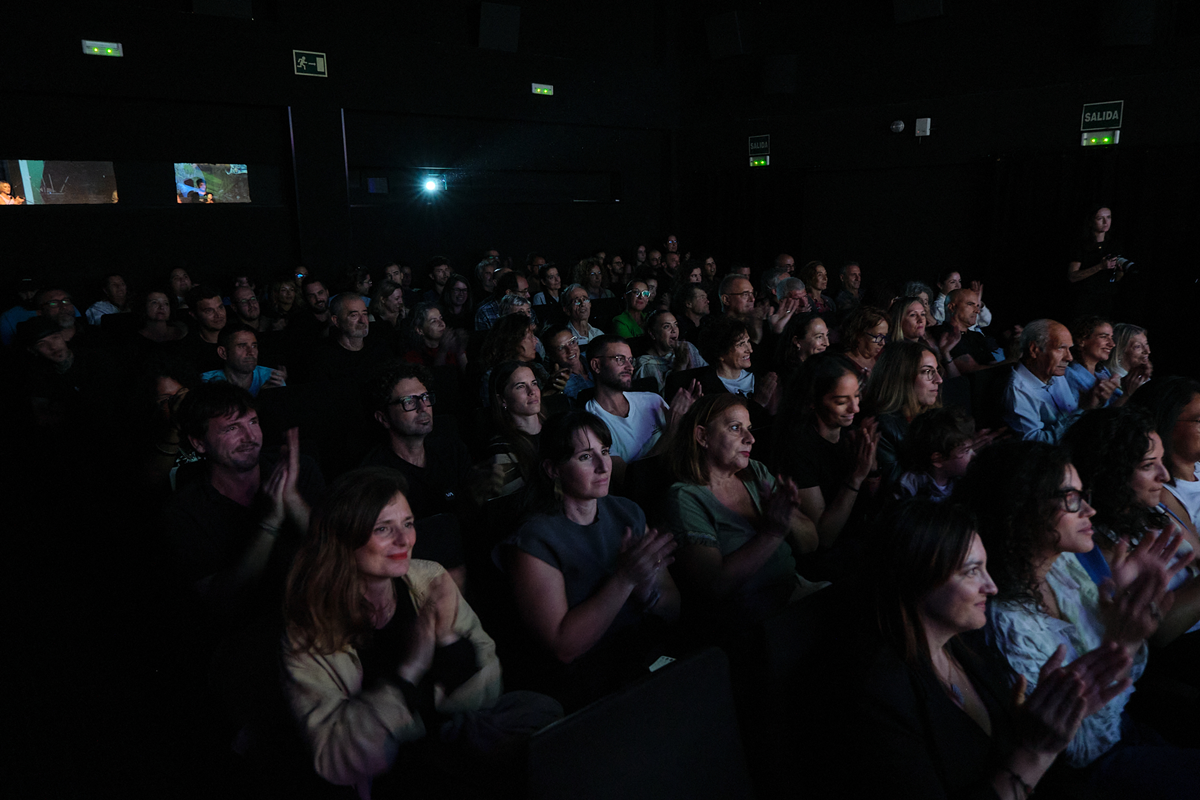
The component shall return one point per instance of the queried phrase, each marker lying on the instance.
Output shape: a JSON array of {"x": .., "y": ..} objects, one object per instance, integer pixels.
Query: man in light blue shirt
[
  {"x": 1039, "y": 403},
  {"x": 237, "y": 346}
]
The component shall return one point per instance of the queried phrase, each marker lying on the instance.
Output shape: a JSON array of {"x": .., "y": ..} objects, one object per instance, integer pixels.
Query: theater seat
[{"x": 673, "y": 734}]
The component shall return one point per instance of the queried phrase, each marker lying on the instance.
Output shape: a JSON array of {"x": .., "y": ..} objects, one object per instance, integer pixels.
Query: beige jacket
[{"x": 354, "y": 734}]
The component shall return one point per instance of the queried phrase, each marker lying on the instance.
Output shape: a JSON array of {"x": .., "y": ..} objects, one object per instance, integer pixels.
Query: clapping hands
[{"x": 1049, "y": 717}]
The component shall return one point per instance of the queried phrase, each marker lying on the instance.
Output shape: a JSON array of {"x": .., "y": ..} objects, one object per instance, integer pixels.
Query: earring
[{"x": 558, "y": 490}]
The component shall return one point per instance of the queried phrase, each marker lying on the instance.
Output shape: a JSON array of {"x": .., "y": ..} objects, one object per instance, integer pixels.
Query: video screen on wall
[
  {"x": 50, "y": 183},
  {"x": 212, "y": 183}
]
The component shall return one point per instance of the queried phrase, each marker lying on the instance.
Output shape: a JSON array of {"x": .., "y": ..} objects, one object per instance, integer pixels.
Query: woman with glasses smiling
[
  {"x": 628, "y": 324},
  {"x": 1034, "y": 517}
]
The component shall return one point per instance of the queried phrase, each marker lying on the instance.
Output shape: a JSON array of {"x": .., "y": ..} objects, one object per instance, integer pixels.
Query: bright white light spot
[{"x": 431, "y": 185}]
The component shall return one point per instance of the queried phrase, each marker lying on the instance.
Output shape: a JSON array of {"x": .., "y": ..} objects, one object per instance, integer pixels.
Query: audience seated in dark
[
  {"x": 207, "y": 311},
  {"x": 234, "y": 527},
  {"x": 349, "y": 355},
  {"x": 63, "y": 389},
  {"x": 691, "y": 306},
  {"x": 815, "y": 447},
  {"x": 864, "y": 336},
  {"x": 1039, "y": 403},
  {"x": 431, "y": 342},
  {"x": 936, "y": 452},
  {"x": 571, "y": 375},
  {"x": 725, "y": 344},
  {"x": 1033, "y": 519},
  {"x": 517, "y": 415},
  {"x": 459, "y": 312},
  {"x": 904, "y": 383},
  {"x": 1118, "y": 455},
  {"x": 736, "y": 525},
  {"x": 936, "y": 715},
  {"x": 438, "y": 273},
  {"x": 434, "y": 462},
  {"x": 590, "y": 578},
  {"x": 640, "y": 424},
  {"x": 381, "y": 648},
  {"x": 630, "y": 323},
  {"x": 1175, "y": 403},
  {"x": 805, "y": 335},
  {"x": 967, "y": 350},
  {"x": 666, "y": 353},
  {"x": 237, "y": 347}
]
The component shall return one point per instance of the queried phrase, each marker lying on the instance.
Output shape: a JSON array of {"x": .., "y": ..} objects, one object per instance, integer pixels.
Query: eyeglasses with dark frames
[
  {"x": 409, "y": 401},
  {"x": 1073, "y": 499}
]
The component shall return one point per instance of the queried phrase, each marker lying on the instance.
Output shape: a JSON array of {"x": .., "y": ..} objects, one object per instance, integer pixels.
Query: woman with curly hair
[
  {"x": 938, "y": 715},
  {"x": 1033, "y": 517},
  {"x": 863, "y": 339},
  {"x": 1175, "y": 403},
  {"x": 1119, "y": 458},
  {"x": 589, "y": 273}
]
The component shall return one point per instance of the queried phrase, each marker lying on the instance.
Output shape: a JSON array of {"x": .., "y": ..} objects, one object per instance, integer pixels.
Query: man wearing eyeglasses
[
  {"x": 737, "y": 301},
  {"x": 436, "y": 464},
  {"x": 641, "y": 423},
  {"x": 57, "y": 305},
  {"x": 510, "y": 284}
]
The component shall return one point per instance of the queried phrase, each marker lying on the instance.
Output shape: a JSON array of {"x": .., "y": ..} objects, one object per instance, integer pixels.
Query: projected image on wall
[
  {"x": 50, "y": 183},
  {"x": 212, "y": 183}
]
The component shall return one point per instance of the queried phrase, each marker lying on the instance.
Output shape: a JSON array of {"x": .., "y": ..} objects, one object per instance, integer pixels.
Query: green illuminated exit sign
[
  {"x": 760, "y": 150},
  {"x": 1102, "y": 116},
  {"x": 306, "y": 62}
]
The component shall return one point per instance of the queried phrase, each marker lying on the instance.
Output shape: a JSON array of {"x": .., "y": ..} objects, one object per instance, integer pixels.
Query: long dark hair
[
  {"x": 523, "y": 445},
  {"x": 324, "y": 604},
  {"x": 1106, "y": 446},
  {"x": 917, "y": 548},
  {"x": 1012, "y": 489}
]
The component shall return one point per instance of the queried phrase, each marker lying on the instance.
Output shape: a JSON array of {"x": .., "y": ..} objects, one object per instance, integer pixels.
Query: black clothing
[
  {"x": 972, "y": 343},
  {"x": 202, "y": 355},
  {"x": 440, "y": 486},
  {"x": 332, "y": 363}
]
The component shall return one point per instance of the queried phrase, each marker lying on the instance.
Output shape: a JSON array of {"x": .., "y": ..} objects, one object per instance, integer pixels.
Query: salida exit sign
[{"x": 1102, "y": 116}]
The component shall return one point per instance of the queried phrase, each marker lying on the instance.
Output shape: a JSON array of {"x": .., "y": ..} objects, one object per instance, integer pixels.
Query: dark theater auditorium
[{"x": 636, "y": 399}]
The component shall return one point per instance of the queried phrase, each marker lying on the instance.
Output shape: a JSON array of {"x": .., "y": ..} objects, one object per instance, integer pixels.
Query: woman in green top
[
  {"x": 629, "y": 323},
  {"x": 737, "y": 526}
]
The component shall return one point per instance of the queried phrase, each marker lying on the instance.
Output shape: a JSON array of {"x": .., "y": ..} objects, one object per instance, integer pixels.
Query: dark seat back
[{"x": 673, "y": 734}]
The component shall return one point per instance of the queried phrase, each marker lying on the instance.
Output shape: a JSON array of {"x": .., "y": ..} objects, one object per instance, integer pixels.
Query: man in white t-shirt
[{"x": 641, "y": 423}]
